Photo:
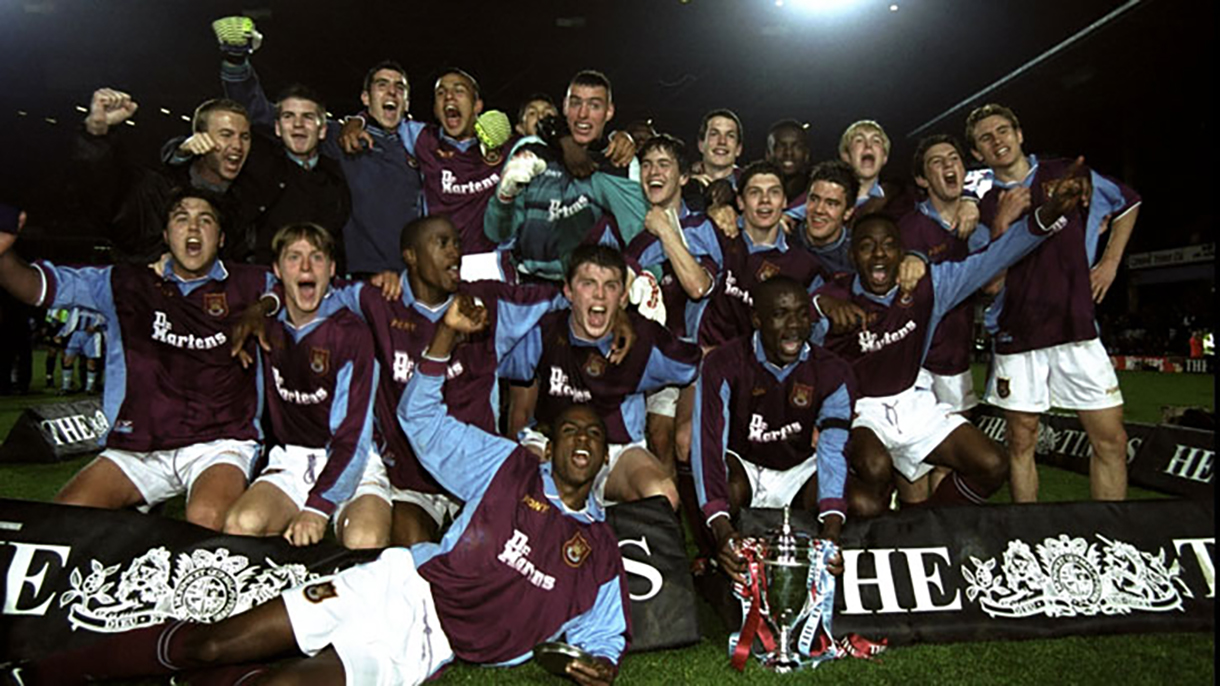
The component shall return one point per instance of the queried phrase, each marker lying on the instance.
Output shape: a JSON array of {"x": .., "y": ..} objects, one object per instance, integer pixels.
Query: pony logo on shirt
[
  {"x": 576, "y": 550},
  {"x": 216, "y": 304},
  {"x": 319, "y": 360},
  {"x": 801, "y": 395}
]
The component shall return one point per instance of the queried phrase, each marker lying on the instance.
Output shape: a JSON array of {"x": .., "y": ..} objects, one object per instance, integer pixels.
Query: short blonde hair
[
  {"x": 845, "y": 139},
  {"x": 317, "y": 236}
]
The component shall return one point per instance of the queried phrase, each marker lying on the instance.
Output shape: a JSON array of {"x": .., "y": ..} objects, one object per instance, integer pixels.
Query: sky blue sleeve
[
  {"x": 1106, "y": 201},
  {"x": 701, "y": 240},
  {"x": 602, "y": 629},
  {"x": 521, "y": 362},
  {"x": 819, "y": 330},
  {"x": 834, "y": 419},
  {"x": 663, "y": 370},
  {"x": 709, "y": 441},
  {"x": 408, "y": 131},
  {"x": 463, "y": 458},
  {"x": 953, "y": 282},
  {"x": 978, "y": 239},
  {"x": 79, "y": 287},
  {"x": 348, "y": 297},
  {"x": 351, "y": 434},
  {"x": 515, "y": 320}
]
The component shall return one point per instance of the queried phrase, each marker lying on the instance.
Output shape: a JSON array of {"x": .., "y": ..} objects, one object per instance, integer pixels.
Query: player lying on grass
[
  {"x": 885, "y": 334},
  {"x": 530, "y": 559},
  {"x": 320, "y": 374},
  {"x": 182, "y": 415},
  {"x": 773, "y": 414}
]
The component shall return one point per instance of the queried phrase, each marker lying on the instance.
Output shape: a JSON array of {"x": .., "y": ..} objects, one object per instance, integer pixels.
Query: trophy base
[{"x": 781, "y": 663}]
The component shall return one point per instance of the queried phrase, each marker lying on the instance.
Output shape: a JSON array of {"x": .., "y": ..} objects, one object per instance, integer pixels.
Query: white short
[
  {"x": 481, "y": 266},
  {"x": 1072, "y": 376},
  {"x": 376, "y": 482},
  {"x": 956, "y": 391},
  {"x": 84, "y": 343},
  {"x": 910, "y": 425},
  {"x": 294, "y": 470},
  {"x": 379, "y": 617},
  {"x": 773, "y": 487},
  {"x": 533, "y": 438},
  {"x": 663, "y": 401},
  {"x": 162, "y": 474}
]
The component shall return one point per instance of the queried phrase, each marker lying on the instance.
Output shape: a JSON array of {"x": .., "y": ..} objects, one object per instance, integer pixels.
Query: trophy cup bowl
[{"x": 786, "y": 564}]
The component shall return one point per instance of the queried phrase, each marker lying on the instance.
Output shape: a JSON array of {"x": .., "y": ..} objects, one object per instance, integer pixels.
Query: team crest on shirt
[
  {"x": 1001, "y": 387},
  {"x": 316, "y": 593},
  {"x": 801, "y": 395},
  {"x": 905, "y": 299},
  {"x": 216, "y": 304},
  {"x": 493, "y": 157},
  {"x": 319, "y": 360},
  {"x": 765, "y": 271},
  {"x": 576, "y": 550},
  {"x": 758, "y": 391},
  {"x": 595, "y": 365}
]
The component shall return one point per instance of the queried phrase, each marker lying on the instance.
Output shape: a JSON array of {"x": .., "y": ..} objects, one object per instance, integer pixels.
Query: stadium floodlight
[{"x": 824, "y": 6}]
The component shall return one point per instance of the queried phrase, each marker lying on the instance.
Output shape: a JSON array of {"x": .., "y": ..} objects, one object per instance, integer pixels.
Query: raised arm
[
  {"x": 463, "y": 458},
  {"x": 955, "y": 281}
]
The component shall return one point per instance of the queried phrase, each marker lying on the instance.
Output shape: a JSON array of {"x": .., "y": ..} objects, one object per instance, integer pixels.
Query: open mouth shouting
[
  {"x": 231, "y": 162},
  {"x": 657, "y": 189},
  {"x": 597, "y": 319},
  {"x": 951, "y": 181},
  {"x": 582, "y": 131},
  {"x": 194, "y": 246},
  {"x": 581, "y": 458},
  {"x": 307, "y": 288},
  {"x": 790, "y": 343},
  {"x": 880, "y": 276},
  {"x": 452, "y": 118}
]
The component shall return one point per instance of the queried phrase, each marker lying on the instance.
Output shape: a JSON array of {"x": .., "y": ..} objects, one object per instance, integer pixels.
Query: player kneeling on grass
[
  {"x": 182, "y": 414},
  {"x": 569, "y": 353},
  {"x": 320, "y": 374},
  {"x": 885, "y": 334},
  {"x": 773, "y": 413},
  {"x": 530, "y": 559}
]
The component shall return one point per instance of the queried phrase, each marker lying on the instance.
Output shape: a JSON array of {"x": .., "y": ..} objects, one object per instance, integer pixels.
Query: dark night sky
[{"x": 1127, "y": 97}]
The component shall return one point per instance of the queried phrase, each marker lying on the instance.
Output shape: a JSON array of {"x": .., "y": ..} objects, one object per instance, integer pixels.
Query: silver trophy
[{"x": 786, "y": 557}]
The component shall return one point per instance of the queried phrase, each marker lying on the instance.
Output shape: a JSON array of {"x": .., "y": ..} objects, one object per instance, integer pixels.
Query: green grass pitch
[{"x": 1170, "y": 659}]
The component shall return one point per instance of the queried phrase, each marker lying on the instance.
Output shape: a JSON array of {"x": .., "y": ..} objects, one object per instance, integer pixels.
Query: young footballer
[
  {"x": 182, "y": 415},
  {"x": 320, "y": 376},
  {"x": 530, "y": 560}
]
